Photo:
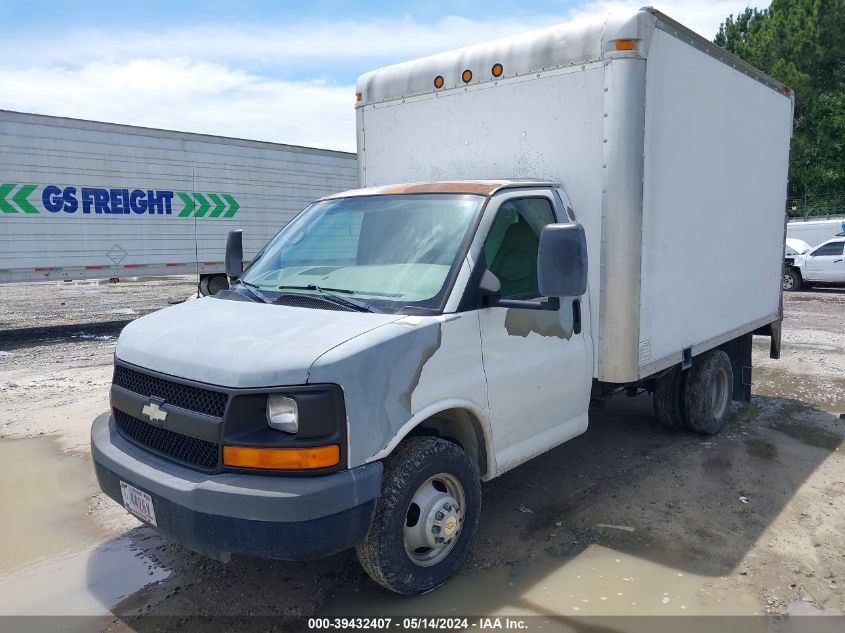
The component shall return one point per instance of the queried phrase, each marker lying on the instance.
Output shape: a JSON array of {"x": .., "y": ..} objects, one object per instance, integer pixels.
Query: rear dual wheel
[{"x": 699, "y": 398}]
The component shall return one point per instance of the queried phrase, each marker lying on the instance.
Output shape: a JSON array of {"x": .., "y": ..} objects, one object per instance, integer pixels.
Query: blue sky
[{"x": 270, "y": 70}]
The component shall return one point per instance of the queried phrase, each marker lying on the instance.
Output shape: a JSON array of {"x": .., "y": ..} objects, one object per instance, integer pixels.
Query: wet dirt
[
  {"x": 596, "y": 581},
  {"x": 57, "y": 560},
  {"x": 749, "y": 521}
]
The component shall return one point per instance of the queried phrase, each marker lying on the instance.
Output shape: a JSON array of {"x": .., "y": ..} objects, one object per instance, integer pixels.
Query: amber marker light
[
  {"x": 624, "y": 45},
  {"x": 281, "y": 458},
  {"x": 497, "y": 70},
  {"x": 438, "y": 81},
  {"x": 358, "y": 96},
  {"x": 466, "y": 76}
]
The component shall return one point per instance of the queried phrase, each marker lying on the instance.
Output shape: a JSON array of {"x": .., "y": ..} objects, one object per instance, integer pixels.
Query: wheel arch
[{"x": 458, "y": 421}]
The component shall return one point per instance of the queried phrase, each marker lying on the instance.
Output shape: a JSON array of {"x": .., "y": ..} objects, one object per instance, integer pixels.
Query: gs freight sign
[{"x": 63, "y": 200}]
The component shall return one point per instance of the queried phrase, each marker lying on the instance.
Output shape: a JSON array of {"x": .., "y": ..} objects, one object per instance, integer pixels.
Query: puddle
[
  {"x": 597, "y": 582},
  {"x": 821, "y": 392},
  {"x": 44, "y": 494},
  {"x": 761, "y": 448},
  {"x": 811, "y": 435},
  {"x": 53, "y": 560},
  {"x": 82, "y": 582}
]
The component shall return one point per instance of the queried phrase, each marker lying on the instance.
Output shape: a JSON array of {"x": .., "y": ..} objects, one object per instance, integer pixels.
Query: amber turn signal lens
[
  {"x": 624, "y": 45},
  {"x": 497, "y": 70},
  {"x": 358, "y": 96},
  {"x": 467, "y": 76},
  {"x": 281, "y": 458},
  {"x": 438, "y": 81}
]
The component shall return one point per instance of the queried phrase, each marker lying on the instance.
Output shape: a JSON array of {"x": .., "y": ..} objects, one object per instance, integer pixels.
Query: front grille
[
  {"x": 315, "y": 303},
  {"x": 186, "y": 449},
  {"x": 183, "y": 396}
]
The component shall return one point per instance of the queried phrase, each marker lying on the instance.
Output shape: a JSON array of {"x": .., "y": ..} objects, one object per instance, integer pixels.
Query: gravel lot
[{"x": 626, "y": 519}]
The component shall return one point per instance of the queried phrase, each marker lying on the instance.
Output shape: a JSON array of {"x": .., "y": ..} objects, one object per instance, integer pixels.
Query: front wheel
[
  {"x": 791, "y": 280},
  {"x": 425, "y": 518}
]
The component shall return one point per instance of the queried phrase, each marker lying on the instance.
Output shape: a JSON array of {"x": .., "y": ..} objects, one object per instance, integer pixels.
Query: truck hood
[{"x": 240, "y": 344}]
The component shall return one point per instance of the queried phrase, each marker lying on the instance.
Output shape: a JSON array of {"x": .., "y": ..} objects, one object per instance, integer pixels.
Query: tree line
[{"x": 801, "y": 43}]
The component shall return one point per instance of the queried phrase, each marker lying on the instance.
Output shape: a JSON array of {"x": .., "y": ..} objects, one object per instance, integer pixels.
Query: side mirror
[
  {"x": 235, "y": 254},
  {"x": 562, "y": 261}
]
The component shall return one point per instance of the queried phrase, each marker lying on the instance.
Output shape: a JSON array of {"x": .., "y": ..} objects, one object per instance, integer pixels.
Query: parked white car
[{"x": 824, "y": 264}]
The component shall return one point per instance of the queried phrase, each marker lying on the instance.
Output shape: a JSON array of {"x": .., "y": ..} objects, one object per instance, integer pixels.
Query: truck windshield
[{"x": 391, "y": 252}]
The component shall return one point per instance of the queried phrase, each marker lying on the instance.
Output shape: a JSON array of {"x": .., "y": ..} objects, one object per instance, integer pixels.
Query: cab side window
[
  {"x": 832, "y": 248},
  {"x": 512, "y": 244}
]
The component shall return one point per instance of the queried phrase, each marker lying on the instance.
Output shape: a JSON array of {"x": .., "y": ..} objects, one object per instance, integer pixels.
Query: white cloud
[
  {"x": 190, "y": 96},
  {"x": 224, "y": 79},
  {"x": 702, "y": 16}
]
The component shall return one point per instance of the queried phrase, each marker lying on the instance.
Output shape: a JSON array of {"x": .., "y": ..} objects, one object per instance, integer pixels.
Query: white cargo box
[{"x": 673, "y": 153}]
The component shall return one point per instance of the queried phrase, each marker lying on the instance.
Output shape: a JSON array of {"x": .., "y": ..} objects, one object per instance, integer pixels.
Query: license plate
[{"x": 138, "y": 503}]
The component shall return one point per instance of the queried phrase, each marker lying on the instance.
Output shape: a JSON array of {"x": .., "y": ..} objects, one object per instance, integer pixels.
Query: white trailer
[
  {"x": 544, "y": 220},
  {"x": 814, "y": 232},
  {"x": 87, "y": 200}
]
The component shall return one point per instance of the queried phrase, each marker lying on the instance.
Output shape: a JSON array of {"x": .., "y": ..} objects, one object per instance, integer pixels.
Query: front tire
[
  {"x": 425, "y": 519},
  {"x": 707, "y": 392},
  {"x": 792, "y": 281}
]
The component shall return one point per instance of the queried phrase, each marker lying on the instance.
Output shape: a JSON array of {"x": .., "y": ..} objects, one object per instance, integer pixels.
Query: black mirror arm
[{"x": 552, "y": 304}]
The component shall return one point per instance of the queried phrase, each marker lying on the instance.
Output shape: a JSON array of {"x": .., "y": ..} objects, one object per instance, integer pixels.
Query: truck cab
[{"x": 379, "y": 317}]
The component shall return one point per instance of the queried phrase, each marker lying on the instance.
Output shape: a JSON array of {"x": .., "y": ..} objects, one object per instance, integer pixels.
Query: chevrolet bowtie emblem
[{"x": 154, "y": 412}]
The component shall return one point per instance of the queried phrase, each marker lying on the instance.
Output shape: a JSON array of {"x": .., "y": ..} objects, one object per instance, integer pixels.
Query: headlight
[{"x": 282, "y": 413}]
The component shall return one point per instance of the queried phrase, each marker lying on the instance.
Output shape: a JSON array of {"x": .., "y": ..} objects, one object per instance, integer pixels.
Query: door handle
[
  {"x": 576, "y": 316},
  {"x": 836, "y": 261}
]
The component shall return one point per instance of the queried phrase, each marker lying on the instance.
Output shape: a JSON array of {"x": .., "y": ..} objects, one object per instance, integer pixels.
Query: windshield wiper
[
  {"x": 253, "y": 289},
  {"x": 325, "y": 292}
]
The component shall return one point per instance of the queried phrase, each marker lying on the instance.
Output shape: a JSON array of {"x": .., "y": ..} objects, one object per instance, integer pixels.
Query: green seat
[{"x": 515, "y": 262}]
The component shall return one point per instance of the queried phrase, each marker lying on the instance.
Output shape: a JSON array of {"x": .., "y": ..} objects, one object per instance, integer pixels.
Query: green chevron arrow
[
  {"x": 5, "y": 190},
  {"x": 233, "y": 206},
  {"x": 218, "y": 205},
  {"x": 204, "y": 205},
  {"x": 21, "y": 198},
  {"x": 189, "y": 205}
]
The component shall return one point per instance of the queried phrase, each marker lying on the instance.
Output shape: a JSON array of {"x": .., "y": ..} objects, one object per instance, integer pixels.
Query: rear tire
[
  {"x": 707, "y": 392},
  {"x": 431, "y": 492},
  {"x": 217, "y": 283},
  {"x": 792, "y": 281},
  {"x": 669, "y": 399}
]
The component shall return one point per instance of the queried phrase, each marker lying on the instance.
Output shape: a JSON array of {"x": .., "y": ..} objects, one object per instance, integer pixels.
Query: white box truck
[
  {"x": 87, "y": 200},
  {"x": 543, "y": 221}
]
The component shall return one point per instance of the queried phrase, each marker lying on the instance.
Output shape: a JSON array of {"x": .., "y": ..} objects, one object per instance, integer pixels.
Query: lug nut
[
  {"x": 439, "y": 515},
  {"x": 435, "y": 529},
  {"x": 439, "y": 539}
]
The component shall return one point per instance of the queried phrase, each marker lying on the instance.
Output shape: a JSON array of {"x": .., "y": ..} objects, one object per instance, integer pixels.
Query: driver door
[{"x": 538, "y": 363}]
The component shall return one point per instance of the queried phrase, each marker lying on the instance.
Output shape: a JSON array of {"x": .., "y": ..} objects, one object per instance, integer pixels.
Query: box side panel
[
  {"x": 547, "y": 128},
  {"x": 716, "y": 159},
  {"x": 268, "y": 184}
]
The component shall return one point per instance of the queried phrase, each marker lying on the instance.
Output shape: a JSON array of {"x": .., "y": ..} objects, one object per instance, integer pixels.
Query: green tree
[{"x": 802, "y": 44}]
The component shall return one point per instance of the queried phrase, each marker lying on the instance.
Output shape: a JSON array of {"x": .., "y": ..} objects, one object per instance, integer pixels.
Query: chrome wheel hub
[{"x": 434, "y": 520}]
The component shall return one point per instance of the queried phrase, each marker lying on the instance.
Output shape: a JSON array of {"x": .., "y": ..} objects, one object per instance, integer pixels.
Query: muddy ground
[{"x": 627, "y": 519}]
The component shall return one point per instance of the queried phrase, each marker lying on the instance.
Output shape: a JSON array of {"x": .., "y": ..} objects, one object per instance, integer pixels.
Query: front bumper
[{"x": 289, "y": 518}]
